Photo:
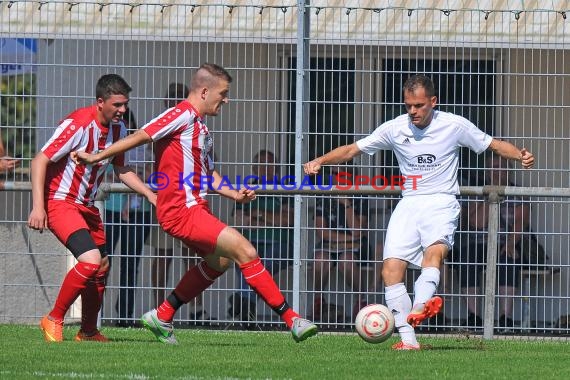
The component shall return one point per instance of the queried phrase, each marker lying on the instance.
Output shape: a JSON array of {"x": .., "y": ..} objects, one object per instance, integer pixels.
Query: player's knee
[
  {"x": 250, "y": 253},
  {"x": 225, "y": 264},
  {"x": 81, "y": 242},
  {"x": 391, "y": 274},
  {"x": 245, "y": 252},
  {"x": 386, "y": 271},
  {"x": 220, "y": 264}
]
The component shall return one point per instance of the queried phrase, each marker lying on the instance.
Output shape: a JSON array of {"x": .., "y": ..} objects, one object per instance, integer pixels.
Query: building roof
[{"x": 465, "y": 22}]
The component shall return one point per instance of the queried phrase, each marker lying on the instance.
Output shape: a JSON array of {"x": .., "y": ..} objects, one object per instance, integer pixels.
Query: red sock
[
  {"x": 261, "y": 281},
  {"x": 194, "y": 282},
  {"x": 165, "y": 312},
  {"x": 288, "y": 316},
  {"x": 91, "y": 300},
  {"x": 75, "y": 281}
]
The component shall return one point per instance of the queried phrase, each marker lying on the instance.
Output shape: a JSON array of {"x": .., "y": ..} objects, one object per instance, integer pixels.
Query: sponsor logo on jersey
[{"x": 425, "y": 158}]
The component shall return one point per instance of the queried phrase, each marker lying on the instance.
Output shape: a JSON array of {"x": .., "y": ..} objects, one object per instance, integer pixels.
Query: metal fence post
[
  {"x": 301, "y": 114},
  {"x": 491, "y": 268}
]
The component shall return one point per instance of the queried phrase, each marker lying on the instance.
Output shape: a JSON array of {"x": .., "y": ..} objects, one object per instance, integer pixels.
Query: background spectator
[
  {"x": 127, "y": 216},
  {"x": 265, "y": 224},
  {"x": 341, "y": 241},
  {"x": 514, "y": 221}
]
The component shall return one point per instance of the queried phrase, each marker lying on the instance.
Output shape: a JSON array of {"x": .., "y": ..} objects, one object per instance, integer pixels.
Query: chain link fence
[{"x": 308, "y": 76}]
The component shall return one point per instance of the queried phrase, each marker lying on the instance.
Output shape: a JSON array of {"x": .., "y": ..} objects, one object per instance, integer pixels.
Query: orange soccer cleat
[
  {"x": 94, "y": 337},
  {"x": 401, "y": 346},
  {"x": 53, "y": 330},
  {"x": 429, "y": 309}
]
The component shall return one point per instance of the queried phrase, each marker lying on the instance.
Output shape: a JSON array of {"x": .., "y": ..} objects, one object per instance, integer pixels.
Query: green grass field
[{"x": 135, "y": 354}]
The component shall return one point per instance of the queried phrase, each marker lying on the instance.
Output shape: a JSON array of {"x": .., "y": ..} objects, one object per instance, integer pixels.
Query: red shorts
[
  {"x": 65, "y": 218},
  {"x": 196, "y": 227}
]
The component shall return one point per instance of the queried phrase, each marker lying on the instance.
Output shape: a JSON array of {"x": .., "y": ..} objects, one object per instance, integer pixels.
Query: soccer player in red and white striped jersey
[
  {"x": 63, "y": 201},
  {"x": 184, "y": 160}
]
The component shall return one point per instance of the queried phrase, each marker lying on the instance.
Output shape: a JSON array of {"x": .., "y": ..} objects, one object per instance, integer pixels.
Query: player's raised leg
[
  {"x": 220, "y": 246},
  {"x": 426, "y": 305},
  {"x": 199, "y": 230},
  {"x": 233, "y": 245}
]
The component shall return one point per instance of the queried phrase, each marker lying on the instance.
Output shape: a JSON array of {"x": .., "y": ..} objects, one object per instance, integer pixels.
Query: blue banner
[{"x": 17, "y": 55}]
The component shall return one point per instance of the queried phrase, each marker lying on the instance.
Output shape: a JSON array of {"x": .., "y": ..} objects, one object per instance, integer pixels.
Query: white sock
[
  {"x": 426, "y": 285},
  {"x": 400, "y": 304}
]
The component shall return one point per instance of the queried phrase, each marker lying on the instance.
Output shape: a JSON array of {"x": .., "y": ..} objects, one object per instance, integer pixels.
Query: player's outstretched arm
[
  {"x": 336, "y": 156},
  {"x": 129, "y": 177},
  {"x": 240, "y": 196},
  {"x": 38, "y": 217},
  {"x": 507, "y": 150},
  {"x": 140, "y": 137}
]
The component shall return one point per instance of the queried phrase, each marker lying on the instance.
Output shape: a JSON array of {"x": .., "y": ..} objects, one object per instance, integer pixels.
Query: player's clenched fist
[
  {"x": 527, "y": 159},
  {"x": 245, "y": 196},
  {"x": 38, "y": 220},
  {"x": 312, "y": 167},
  {"x": 82, "y": 158}
]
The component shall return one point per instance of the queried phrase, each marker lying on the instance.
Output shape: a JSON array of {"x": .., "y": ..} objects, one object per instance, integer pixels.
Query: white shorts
[{"x": 418, "y": 222}]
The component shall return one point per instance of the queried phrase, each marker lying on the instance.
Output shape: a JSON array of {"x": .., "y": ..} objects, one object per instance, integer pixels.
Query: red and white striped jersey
[
  {"x": 79, "y": 131},
  {"x": 183, "y": 150}
]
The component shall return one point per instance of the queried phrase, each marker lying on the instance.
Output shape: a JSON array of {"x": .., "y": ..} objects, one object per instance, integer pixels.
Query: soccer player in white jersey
[
  {"x": 63, "y": 201},
  {"x": 184, "y": 159},
  {"x": 426, "y": 143}
]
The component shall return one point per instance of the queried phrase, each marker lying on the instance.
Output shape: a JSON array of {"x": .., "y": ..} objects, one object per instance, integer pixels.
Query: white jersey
[{"x": 430, "y": 154}]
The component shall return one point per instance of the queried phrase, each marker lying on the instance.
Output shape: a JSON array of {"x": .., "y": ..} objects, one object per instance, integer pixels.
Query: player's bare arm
[
  {"x": 138, "y": 138},
  {"x": 336, "y": 156},
  {"x": 507, "y": 150},
  {"x": 240, "y": 196},
  {"x": 129, "y": 177},
  {"x": 38, "y": 217}
]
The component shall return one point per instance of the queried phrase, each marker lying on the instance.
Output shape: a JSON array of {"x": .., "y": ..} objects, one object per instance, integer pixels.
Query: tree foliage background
[{"x": 18, "y": 115}]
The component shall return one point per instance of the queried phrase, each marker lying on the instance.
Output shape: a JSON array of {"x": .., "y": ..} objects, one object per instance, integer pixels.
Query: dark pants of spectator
[
  {"x": 508, "y": 268},
  {"x": 133, "y": 235}
]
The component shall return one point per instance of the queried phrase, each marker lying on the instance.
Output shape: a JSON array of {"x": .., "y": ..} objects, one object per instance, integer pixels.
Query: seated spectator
[
  {"x": 342, "y": 241},
  {"x": 265, "y": 223},
  {"x": 514, "y": 221}
]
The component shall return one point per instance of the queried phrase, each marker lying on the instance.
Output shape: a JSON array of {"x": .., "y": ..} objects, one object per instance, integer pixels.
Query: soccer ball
[{"x": 374, "y": 323}]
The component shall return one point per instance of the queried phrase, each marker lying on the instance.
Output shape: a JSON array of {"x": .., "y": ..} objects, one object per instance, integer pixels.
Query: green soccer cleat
[
  {"x": 302, "y": 329},
  {"x": 163, "y": 331}
]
